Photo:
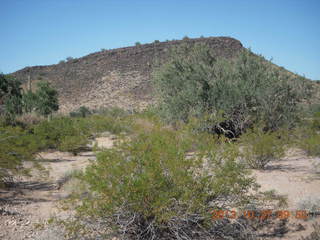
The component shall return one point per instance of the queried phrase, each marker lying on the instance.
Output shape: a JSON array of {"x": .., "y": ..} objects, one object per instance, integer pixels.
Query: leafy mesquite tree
[{"x": 244, "y": 90}]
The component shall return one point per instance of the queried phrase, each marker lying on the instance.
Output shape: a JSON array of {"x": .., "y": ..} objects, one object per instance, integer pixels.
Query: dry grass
[{"x": 30, "y": 118}]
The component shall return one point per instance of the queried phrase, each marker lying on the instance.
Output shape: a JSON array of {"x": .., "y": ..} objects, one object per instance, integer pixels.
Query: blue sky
[{"x": 42, "y": 32}]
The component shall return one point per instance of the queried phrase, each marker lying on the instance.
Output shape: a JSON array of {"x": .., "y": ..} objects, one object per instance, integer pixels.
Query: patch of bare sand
[
  {"x": 293, "y": 176},
  {"x": 34, "y": 200},
  {"x": 105, "y": 142}
]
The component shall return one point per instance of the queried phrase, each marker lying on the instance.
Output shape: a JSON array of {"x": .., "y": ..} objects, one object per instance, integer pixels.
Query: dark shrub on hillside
[
  {"x": 47, "y": 99},
  {"x": 81, "y": 112}
]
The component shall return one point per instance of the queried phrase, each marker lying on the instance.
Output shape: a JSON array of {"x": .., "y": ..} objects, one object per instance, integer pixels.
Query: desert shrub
[
  {"x": 73, "y": 144},
  {"x": 52, "y": 131},
  {"x": 72, "y": 134},
  {"x": 16, "y": 147},
  {"x": 84, "y": 111},
  {"x": 61, "y": 133},
  {"x": 314, "y": 109},
  {"x": 69, "y": 59},
  {"x": 14, "y": 102},
  {"x": 114, "y": 112},
  {"x": 148, "y": 189},
  {"x": 246, "y": 89},
  {"x": 74, "y": 114},
  {"x": 13, "y": 107},
  {"x": 307, "y": 135},
  {"x": 260, "y": 148},
  {"x": 309, "y": 141},
  {"x": 29, "y": 119},
  {"x": 29, "y": 101},
  {"x": 100, "y": 123},
  {"x": 10, "y": 97},
  {"x": 315, "y": 123},
  {"x": 47, "y": 99},
  {"x": 81, "y": 112}
]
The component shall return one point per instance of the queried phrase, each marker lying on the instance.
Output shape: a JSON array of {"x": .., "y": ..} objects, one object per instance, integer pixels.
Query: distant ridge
[{"x": 118, "y": 77}]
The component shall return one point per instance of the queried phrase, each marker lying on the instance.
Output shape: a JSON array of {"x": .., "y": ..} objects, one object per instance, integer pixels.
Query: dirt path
[{"x": 34, "y": 200}]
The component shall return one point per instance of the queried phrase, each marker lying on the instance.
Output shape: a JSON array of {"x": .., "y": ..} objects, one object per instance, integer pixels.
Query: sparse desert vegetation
[{"x": 216, "y": 122}]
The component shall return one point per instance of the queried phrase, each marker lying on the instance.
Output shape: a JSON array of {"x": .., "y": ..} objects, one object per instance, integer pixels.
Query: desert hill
[{"x": 118, "y": 77}]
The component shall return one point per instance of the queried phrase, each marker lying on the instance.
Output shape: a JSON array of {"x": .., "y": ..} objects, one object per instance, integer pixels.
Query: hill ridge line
[{"x": 117, "y": 77}]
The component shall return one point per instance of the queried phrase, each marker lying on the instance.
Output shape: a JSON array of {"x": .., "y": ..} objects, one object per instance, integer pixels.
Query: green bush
[
  {"x": 315, "y": 123},
  {"x": 10, "y": 97},
  {"x": 73, "y": 144},
  {"x": 72, "y": 134},
  {"x": 114, "y": 112},
  {"x": 16, "y": 147},
  {"x": 15, "y": 102},
  {"x": 247, "y": 89},
  {"x": 62, "y": 132},
  {"x": 29, "y": 102},
  {"x": 47, "y": 99},
  {"x": 105, "y": 123},
  {"x": 29, "y": 119},
  {"x": 81, "y": 112},
  {"x": 307, "y": 135},
  {"x": 313, "y": 109},
  {"x": 309, "y": 140},
  {"x": 260, "y": 148},
  {"x": 149, "y": 189}
]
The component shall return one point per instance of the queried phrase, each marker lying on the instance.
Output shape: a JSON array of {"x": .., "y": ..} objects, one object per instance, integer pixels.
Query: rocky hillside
[{"x": 118, "y": 77}]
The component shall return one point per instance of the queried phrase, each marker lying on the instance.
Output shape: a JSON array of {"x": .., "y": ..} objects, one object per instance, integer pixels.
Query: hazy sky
[{"x": 41, "y": 32}]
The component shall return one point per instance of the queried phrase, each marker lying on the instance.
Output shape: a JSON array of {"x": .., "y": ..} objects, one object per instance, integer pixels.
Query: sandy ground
[
  {"x": 34, "y": 200},
  {"x": 296, "y": 178}
]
